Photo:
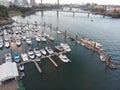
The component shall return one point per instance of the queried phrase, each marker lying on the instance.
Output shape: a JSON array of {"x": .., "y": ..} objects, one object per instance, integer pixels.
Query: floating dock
[
  {"x": 38, "y": 67},
  {"x": 53, "y": 61}
]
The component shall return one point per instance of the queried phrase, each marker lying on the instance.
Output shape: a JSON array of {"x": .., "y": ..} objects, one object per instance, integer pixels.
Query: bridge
[{"x": 60, "y": 10}]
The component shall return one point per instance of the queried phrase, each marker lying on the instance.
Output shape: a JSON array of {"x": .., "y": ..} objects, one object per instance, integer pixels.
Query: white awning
[{"x": 8, "y": 70}]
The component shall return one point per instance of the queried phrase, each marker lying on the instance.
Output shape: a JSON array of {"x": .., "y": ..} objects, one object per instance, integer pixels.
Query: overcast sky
[{"x": 115, "y": 2}]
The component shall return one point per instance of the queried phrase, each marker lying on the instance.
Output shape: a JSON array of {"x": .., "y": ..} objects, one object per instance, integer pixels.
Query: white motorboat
[
  {"x": 59, "y": 47},
  {"x": 7, "y": 44},
  {"x": 66, "y": 47},
  {"x": 21, "y": 67},
  {"x": 8, "y": 57},
  {"x": 78, "y": 42},
  {"x": 49, "y": 50},
  {"x": 1, "y": 33},
  {"x": 5, "y": 32},
  {"x": 102, "y": 58},
  {"x": 31, "y": 54},
  {"x": 43, "y": 51},
  {"x": 43, "y": 38},
  {"x": 28, "y": 41},
  {"x": 37, "y": 38},
  {"x": 1, "y": 44},
  {"x": 82, "y": 44},
  {"x": 58, "y": 32},
  {"x": 18, "y": 42},
  {"x": 64, "y": 58},
  {"x": 37, "y": 52},
  {"x": 97, "y": 45},
  {"x": 51, "y": 38},
  {"x": 23, "y": 37},
  {"x": 45, "y": 34},
  {"x": 24, "y": 57}
]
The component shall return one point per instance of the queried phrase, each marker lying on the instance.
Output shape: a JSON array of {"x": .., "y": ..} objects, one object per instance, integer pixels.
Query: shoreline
[{"x": 5, "y": 22}]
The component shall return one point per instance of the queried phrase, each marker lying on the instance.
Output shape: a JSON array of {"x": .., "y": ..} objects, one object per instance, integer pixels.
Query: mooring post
[
  {"x": 65, "y": 33},
  {"x": 36, "y": 23},
  {"x": 76, "y": 37},
  {"x": 44, "y": 24}
]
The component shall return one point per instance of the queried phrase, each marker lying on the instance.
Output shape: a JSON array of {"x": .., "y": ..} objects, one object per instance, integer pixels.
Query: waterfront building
[
  {"x": 4, "y": 3},
  {"x": 32, "y": 2},
  {"x": 25, "y": 3},
  {"x": 8, "y": 71}
]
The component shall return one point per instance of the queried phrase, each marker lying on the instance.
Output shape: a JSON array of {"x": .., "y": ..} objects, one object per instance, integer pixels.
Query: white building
[
  {"x": 4, "y": 3},
  {"x": 8, "y": 71}
]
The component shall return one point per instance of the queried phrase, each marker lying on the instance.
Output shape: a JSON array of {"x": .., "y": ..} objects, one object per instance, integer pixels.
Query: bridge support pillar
[
  {"x": 42, "y": 13},
  {"x": 73, "y": 14},
  {"x": 57, "y": 13},
  {"x": 104, "y": 16},
  {"x": 88, "y": 15}
]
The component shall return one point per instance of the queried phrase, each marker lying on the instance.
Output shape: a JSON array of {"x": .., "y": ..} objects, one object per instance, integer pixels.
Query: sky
[{"x": 112, "y": 2}]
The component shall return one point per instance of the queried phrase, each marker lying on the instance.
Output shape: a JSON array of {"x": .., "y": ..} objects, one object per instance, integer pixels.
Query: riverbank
[{"x": 5, "y": 21}]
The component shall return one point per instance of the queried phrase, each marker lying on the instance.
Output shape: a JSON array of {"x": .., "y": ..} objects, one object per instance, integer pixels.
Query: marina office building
[{"x": 8, "y": 71}]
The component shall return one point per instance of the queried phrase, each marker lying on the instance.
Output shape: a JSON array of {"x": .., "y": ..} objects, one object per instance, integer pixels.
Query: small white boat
[
  {"x": 28, "y": 41},
  {"x": 66, "y": 47},
  {"x": 59, "y": 47},
  {"x": 21, "y": 67},
  {"x": 82, "y": 44},
  {"x": 18, "y": 42},
  {"x": 1, "y": 33},
  {"x": 51, "y": 38},
  {"x": 7, "y": 44},
  {"x": 24, "y": 57},
  {"x": 37, "y": 38},
  {"x": 31, "y": 54},
  {"x": 58, "y": 32},
  {"x": 78, "y": 42},
  {"x": 8, "y": 57},
  {"x": 49, "y": 50},
  {"x": 23, "y": 37},
  {"x": 1, "y": 44},
  {"x": 43, "y": 38},
  {"x": 64, "y": 58},
  {"x": 37, "y": 52},
  {"x": 43, "y": 51},
  {"x": 46, "y": 35},
  {"x": 96, "y": 44},
  {"x": 102, "y": 58}
]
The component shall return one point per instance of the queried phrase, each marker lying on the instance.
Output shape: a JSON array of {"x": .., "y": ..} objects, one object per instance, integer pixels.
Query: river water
[{"x": 85, "y": 71}]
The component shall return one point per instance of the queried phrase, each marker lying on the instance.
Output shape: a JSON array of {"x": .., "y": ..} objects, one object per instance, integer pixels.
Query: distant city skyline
[
  {"x": 112, "y": 2},
  {"x": 108, "y": 2}
]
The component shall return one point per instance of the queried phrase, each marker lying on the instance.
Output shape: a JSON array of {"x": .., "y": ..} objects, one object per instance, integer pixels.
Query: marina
[{"x": 32, "y": 49}]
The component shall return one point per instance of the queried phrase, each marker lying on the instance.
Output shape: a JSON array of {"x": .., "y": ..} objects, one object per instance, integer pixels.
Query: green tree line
[{"x": 4, "y": 11}]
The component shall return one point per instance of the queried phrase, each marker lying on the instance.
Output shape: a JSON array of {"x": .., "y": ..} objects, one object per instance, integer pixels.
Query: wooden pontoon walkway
[{"x": 38, "y": 67}]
